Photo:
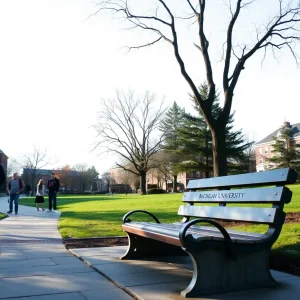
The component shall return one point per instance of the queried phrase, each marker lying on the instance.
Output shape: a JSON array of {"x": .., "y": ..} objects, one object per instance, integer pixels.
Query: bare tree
[
  {"x": 106, "y": 179},
  {"x": 164, "y": 170},
  {"x": 167, "y": 167},
  {"x": 13, "y": 166},
  {"x": 128, "y": 127},
  {"x": 33, "y": 161},
  {"x": 82, "y": 168},
  {"x": 128, "y": 178},
  {"x": 157, "y": 174},
  {"x": 66, "y": 178},
  {"x": 161, "y": 20},
  {"x": 248, "y": 163},
  {"x": 87, "y": 176},
  {"x": 250, "y": 160}
]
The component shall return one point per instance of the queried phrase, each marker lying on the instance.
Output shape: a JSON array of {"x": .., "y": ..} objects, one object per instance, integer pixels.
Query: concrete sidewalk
[
  {"x": 165, "y": 279},
  {"x": 34, "y": 264}
]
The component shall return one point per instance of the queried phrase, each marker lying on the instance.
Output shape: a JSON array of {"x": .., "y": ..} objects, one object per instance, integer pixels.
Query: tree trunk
[
  {"x": 219, "y": 154},
  {"x": 166, "y": 183},
  {"x": 175, "y": 183},
  {"x": 206, "y": 171},
  {"x": 143, "y": 182}
]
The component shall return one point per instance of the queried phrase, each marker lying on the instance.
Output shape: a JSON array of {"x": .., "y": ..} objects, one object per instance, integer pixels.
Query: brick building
[
  {"x": 69, "y": 181},
  {"x": 101, "y": 185},
  {"x": 118, "y": 178},
  {"x": 263, "y": 149}
]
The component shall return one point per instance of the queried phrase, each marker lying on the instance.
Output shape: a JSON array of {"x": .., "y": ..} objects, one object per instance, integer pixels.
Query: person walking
[
  {"x": 14, "y": 188},
  {"x": 53, "y": 187},
  {"x": 40, "y": 192}
]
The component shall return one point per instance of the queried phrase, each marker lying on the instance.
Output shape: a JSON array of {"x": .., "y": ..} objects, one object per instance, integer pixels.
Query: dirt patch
[
  {"x": 277, "y": 262},
  {"x": 292, "y": 217},
  {"x": 285, "y": 264},
  {"x": 95, "y": 242}
]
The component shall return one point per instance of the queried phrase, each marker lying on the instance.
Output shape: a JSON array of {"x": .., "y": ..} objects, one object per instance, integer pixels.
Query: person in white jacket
[{"x": 40, "y": 192}]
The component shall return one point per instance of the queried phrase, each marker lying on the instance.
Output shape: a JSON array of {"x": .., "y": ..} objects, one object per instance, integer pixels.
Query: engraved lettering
[{"x": 221, "y": 195}]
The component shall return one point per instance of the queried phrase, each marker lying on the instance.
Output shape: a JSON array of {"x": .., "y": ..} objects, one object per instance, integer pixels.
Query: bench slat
[
  {"x": 246, "y": 214},
  {"x": 203, "y": 230},
  {"x": 135, "y": 228},
  {"x": 236, "y": 233},
  {"x": 257, "y": 195},
  {"x": 171, "y": 235},
  {"x": 275, "y": 177}
]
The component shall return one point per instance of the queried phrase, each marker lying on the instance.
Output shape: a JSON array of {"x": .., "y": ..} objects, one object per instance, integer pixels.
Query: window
[
  {"x": 198, "y": 174},
  {"x": 260, "y": 150},
  {"x": 266, "y": 150}
]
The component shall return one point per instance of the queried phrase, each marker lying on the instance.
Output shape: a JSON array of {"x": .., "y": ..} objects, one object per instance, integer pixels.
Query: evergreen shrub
[{"x": 156, "y": 191}]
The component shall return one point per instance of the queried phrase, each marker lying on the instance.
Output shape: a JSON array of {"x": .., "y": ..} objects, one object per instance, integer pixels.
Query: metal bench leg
[
  {"x": 141, "y": 247},
  {"x": 214, "y": 272}
]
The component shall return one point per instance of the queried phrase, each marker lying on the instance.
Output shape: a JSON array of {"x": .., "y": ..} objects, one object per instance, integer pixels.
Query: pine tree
[
  {"x": 286, "y": 153},
  {"x": 196, "y": 140},
  {"x": 170, "y": 126}
]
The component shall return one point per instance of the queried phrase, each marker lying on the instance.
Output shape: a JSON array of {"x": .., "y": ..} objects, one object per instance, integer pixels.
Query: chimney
[{"x": 286, "y": 124}]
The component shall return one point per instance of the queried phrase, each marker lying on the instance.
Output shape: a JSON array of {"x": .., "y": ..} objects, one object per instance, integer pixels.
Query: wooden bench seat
[
  {"x": 223, "y": 260},
  {"x": 197, "y": 232}
]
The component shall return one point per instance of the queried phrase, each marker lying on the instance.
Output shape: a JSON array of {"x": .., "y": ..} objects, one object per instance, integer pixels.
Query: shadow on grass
[
  {"x": 65, "y": 200},
  {"x": 292, "y": 250},
  {"x": 73, "y": 199},
  {"x": 90, "y": 198},
  {"x": 286, "y": 259},
  {"x": 117, "y": 215}
]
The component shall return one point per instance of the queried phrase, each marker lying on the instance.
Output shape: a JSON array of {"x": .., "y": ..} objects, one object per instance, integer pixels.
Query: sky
[{"x": 57, "y": 61}]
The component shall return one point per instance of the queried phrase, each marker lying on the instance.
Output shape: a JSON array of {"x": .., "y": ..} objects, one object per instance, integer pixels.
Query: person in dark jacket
[{"x": 53, "y": 187}]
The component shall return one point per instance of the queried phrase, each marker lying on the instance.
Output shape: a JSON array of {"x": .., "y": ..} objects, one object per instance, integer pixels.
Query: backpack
[
  {"x": 2, "y": 174},
  {"x": 21, "y": 184}
]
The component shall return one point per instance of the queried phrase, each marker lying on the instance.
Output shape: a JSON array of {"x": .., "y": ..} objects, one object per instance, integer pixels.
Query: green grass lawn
[
  {"x": 2, "y": 216},
  {"x": 101, "y": 215}
]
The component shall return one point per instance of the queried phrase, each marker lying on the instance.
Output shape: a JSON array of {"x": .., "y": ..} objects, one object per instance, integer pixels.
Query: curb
[{"x": 120, "y": 286}]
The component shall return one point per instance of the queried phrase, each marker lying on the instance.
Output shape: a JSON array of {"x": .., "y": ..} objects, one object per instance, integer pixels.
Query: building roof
[
  {"x": 48, "y": 172},
  {"x": 269, "y": 138},
  {"x": 1, "y": 152}
]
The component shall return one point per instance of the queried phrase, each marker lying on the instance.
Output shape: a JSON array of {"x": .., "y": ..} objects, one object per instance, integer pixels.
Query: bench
[{"x": 223, "y": 260}]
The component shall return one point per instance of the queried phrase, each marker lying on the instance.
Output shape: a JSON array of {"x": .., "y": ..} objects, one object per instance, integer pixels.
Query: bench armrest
[
  {"x": 126, "y": 220},
  {"x": 183, "y": 237}
]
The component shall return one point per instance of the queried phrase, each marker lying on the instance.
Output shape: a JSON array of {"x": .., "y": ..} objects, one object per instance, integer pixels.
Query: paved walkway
[
  {"x": 34, "y": 264},
  {"x": 161, "y": 280}
]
